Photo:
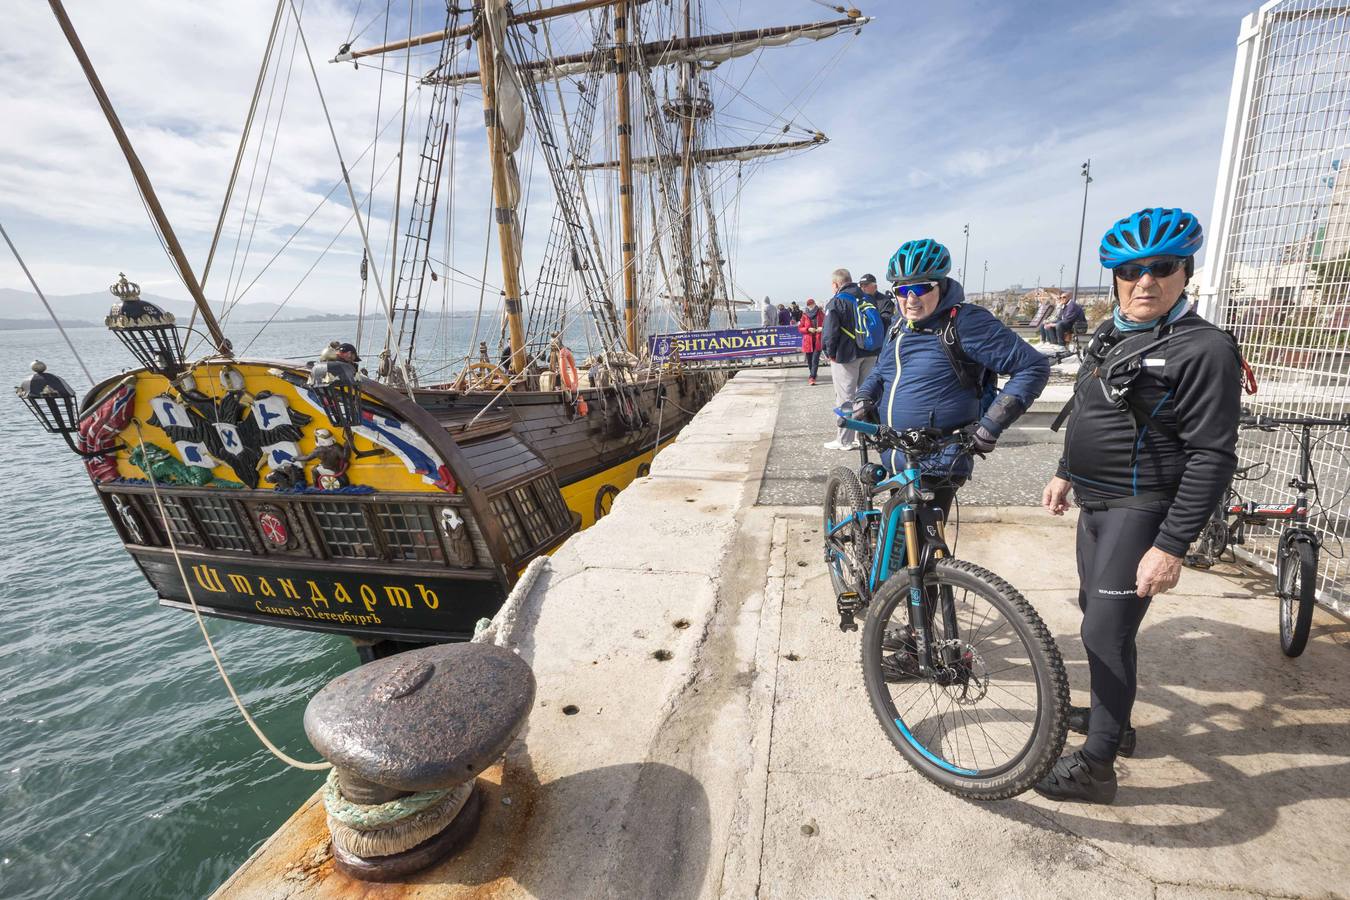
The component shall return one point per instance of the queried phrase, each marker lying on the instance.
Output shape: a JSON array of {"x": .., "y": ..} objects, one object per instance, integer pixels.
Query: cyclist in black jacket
[{"x": 1150, "y": 449}]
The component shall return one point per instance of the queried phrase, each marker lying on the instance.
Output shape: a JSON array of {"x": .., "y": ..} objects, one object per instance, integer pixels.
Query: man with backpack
[
  {"x": 940, "y": 364},
  {"x": 884, "y": 302},
  {"x": 1149, "y": 451},
  {"x": 853, "y": 337}
]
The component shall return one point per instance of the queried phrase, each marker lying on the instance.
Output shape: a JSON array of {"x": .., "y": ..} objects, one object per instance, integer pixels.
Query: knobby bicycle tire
[
  {"x": 1046, "y": 741},
  {"x": 1297, "y": 574},
  {"x": 843, "y": 481}
]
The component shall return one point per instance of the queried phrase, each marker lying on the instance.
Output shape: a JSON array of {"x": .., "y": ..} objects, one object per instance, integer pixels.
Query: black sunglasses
[{"x": 1160, "y": 269}]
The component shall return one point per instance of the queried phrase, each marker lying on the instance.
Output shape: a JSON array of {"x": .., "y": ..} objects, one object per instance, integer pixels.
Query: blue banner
[{"x": 730, "y": 343}]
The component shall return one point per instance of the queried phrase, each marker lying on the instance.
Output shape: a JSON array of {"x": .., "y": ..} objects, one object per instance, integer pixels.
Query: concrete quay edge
[{"x": 747, "y": 762}]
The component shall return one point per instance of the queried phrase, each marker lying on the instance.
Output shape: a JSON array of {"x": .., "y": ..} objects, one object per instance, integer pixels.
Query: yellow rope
[{"x": 201, "y": 623}]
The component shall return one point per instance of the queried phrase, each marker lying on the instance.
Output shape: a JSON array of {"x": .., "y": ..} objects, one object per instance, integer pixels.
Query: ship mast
[
  {"x": 625, "y": 129},
  {"x": 508, "y": 77},
  {"x": 504, "y": 212},
  {"x": 686, "y": 111},
  {"x": 147, "y": 190}
]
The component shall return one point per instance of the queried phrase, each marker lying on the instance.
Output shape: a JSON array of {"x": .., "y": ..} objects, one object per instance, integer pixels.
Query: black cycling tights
[{"x": 1110, "y": 544}]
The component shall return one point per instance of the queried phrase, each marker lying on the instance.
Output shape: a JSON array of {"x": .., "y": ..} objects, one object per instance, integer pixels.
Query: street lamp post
[
  {"x": 965, "y": 256},
  {"x": 1061, "y": 277},
  {"x": 984, "y": 285},
  {"x": 1078, "y": 260}
]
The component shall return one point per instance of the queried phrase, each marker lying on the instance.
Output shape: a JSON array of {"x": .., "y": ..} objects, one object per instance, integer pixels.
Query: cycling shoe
[
  {"x": 1078, "y": 724},
  {"x": 899, "y": 639},
  {"x": 900, "y": 666},
  {"x": 1078, "y": 778}
]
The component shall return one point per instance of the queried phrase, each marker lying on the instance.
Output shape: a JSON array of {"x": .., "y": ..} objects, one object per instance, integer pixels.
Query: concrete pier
[{"x": 701, "y": 728}]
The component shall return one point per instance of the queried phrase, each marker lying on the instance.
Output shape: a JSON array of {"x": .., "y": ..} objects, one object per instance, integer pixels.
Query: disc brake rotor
[{"x": 966, "y": 680}]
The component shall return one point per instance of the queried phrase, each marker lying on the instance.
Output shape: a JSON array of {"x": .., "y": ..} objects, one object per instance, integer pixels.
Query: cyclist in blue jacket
[{"x": 939, "y": 363}]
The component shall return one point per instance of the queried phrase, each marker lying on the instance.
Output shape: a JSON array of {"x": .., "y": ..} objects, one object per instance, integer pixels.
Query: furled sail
[
  {"x": 718, "y": 154},
  {"x": 707, "y": 51}
]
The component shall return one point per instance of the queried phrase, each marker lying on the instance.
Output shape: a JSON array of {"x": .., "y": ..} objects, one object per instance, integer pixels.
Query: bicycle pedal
[{"x": 847, "y": 604}]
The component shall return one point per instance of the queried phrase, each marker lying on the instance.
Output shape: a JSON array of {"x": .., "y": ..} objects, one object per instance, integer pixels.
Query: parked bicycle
[
  {"x": 1299, "y": 546},
  {"x": 963, "y": 675}
]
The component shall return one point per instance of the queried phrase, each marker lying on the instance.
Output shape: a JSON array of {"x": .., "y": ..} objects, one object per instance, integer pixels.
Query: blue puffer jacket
[{"x": 914, "y": 384}]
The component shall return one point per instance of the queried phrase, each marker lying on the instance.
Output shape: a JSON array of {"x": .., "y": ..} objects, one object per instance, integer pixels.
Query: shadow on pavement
[{"x": 1231, "y": 733}]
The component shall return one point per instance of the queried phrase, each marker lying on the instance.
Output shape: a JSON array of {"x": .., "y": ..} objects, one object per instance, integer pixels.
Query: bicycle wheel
[
  {"x": 846, "y": 545},
  {"x": 1209, "y": 547},
  {"x": 1297, "y": 582},
  {"x": 993, "y": 721}
]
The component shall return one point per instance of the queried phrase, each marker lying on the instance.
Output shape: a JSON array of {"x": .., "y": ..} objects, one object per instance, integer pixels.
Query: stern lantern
[
  {"x": 146, "y": 330},
  {"x": 52, "y": 402},
  {"x": 338, "y": 387}
]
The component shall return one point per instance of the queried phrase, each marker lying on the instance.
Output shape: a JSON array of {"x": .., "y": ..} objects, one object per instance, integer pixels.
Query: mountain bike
[
  {"x": 963, "y": 675},
  {"x": 1299, "y": 545}
]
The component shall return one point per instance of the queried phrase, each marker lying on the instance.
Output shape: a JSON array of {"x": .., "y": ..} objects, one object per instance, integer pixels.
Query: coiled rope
[{"x": 201, "y": 623}]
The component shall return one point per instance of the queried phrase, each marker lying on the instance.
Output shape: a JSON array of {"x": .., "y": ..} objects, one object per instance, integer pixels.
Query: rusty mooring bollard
[{"x": 407, "y": 736}]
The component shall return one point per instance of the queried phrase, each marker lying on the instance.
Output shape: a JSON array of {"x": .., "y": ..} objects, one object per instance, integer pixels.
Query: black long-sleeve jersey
[{"x": 1188, "y": 382}]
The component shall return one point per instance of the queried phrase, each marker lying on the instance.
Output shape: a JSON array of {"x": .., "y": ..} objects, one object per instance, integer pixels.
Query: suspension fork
[
  {"x": 920, "y": 616},
  {"x": 930, "y": 599}
]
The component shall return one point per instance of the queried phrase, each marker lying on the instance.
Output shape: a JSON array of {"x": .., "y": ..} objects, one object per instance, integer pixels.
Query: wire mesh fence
[{"x": 1280, "y": 271}]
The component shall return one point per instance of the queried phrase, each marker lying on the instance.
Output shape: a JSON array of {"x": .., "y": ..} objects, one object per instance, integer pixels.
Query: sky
[{"x": 938, "y": 114}]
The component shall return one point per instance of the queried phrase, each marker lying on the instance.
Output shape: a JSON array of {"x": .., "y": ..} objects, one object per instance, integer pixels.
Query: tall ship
[{"x": 397, "y": 499}]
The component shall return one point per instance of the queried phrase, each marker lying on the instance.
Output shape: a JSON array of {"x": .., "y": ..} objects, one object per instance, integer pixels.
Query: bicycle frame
[
  {"x": 1240, "y": 515},
  {"x": 909, "y": 528}
]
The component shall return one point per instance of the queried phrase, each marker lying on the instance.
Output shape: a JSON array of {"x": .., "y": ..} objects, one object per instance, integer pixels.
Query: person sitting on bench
[{"x": 1070, "y": 314}]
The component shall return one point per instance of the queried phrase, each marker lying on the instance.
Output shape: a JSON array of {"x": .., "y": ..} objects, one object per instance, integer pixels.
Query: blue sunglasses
[{"x": 918, "y": 289}]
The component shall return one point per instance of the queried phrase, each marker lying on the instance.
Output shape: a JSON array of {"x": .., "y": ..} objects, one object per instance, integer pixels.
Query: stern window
[
  {"x": 344, "y": 530},
  {"x": 219, "y": 523},
  {"x": 409, "y": 532}
]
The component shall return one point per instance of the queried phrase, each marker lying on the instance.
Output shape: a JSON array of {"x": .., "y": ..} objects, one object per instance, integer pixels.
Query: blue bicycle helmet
[
  {"x": 1151, "y": 232},
  {"x": 918, "y": 260}
]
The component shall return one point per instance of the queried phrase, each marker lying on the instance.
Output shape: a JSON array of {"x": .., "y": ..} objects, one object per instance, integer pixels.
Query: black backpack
[{"x": 972, "y": 375}]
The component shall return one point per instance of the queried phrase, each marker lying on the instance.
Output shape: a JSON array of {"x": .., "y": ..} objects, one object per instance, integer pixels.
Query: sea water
[{"x": 125, "y": 769}]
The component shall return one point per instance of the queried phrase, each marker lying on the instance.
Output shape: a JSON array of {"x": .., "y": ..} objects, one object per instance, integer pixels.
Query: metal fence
[{"x": 1279, "y": 255}]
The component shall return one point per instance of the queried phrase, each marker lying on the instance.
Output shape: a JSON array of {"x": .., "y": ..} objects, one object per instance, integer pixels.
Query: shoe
[
  {"x": 810, "y": 381},
  {"x": 899, "y": 639},
  {"x": 835, "y": 445},
  {"x": 1076, "y": 777},
  {"x": 901, "y": 666},
  {"x": 1078, "y": 724}
]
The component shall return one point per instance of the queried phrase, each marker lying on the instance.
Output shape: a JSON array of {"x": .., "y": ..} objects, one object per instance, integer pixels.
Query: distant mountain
[
  {"x": 30, "y": 324},
  {"x": 16, "y": 304}
]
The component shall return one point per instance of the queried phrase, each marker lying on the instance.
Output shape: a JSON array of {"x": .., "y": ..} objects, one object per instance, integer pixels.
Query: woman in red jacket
[{"x": 810, "y": 325}]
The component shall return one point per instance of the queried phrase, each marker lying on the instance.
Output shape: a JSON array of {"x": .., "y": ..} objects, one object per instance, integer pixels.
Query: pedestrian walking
[
  {"x": 769, "y": 314},
  {"x": 849, "y": 361},
  {"x": 812, "y": 326}
]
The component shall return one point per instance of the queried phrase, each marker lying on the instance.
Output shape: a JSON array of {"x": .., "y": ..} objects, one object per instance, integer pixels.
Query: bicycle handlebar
[
  {"x": 914, "y": 441},
  {"x": 1261, "y": 421}
]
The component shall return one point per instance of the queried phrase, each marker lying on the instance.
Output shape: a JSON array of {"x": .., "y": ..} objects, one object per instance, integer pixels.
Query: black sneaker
[
  {"x": 1078, "y": 724},
  {"x": 899, "y": 639},
  {"x": 900, "y": 666},
  {"x": 1078, "y": 778}
]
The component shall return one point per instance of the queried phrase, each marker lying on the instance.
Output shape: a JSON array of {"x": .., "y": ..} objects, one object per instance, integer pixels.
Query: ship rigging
[{"x": 399, "y": 503}]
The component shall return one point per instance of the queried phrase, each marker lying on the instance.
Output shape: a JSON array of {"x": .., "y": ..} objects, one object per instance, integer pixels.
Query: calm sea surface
[{"x": 125, "y": 770}]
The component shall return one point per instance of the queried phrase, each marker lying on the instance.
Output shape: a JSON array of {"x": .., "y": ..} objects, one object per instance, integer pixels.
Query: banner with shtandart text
[{"x": 729, "y": 343}]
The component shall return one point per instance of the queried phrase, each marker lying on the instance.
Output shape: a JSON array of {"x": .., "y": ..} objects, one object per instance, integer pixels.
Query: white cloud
[{"x": 969, "y": 112}]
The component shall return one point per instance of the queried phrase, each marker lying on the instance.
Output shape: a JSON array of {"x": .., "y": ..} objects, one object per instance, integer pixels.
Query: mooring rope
[{"x": 201, "y": 623}]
